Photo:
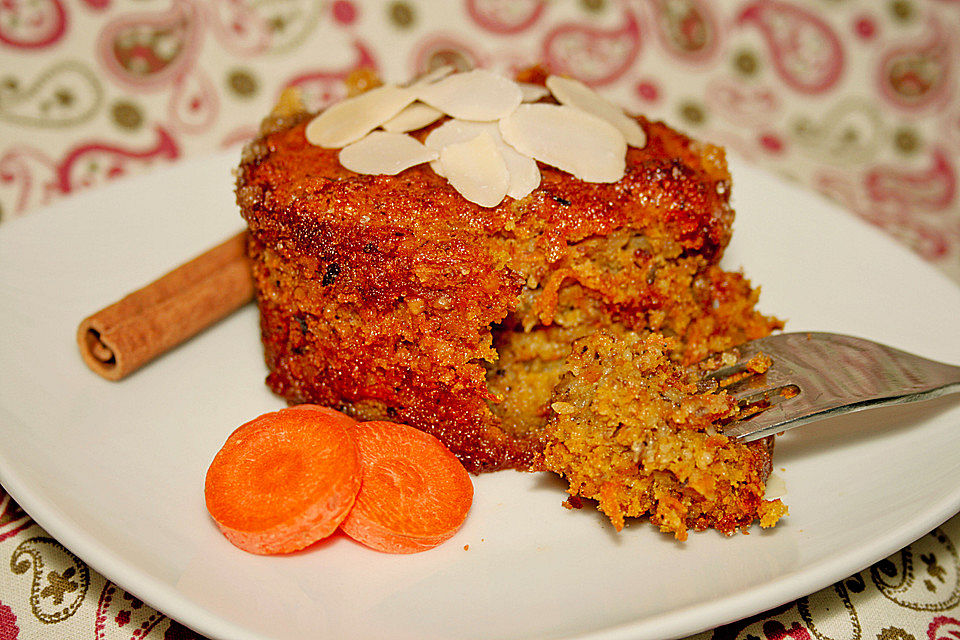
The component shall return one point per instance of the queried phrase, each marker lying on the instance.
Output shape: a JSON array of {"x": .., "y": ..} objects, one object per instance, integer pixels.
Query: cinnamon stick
[{"x": 121, "y": 338}]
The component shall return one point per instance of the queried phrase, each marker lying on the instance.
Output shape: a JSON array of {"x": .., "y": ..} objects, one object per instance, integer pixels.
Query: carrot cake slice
[{"x": 401, "y": 297}]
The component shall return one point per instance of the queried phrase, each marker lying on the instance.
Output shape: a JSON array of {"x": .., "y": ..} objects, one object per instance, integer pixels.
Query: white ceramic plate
[{"x": 115, "y": 470}]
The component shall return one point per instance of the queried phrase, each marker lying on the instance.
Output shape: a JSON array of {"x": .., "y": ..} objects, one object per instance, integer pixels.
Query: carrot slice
[
  {"x": 285, "y": 479},
  {"x": 415, "y": 494}
]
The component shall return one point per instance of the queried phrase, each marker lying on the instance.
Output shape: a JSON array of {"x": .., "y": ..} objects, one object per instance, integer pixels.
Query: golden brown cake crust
[
  {"x": 380, "y": 295},
  {"x": 289, "y": 188}
]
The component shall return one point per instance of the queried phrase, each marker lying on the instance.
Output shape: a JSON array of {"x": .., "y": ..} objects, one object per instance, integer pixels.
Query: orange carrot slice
[
  {"x": 285, "y": 479},
  {"x": 415, "y": 494}
]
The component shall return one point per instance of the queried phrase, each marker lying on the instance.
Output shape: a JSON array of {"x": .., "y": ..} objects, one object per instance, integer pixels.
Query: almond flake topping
[
  {"x": 532, "y": 92},
  {"x": 568, "y": 139},
  {"x": 472, "y": 95},
  {"x": 496, "y": 133},
  {"x": 574, "y": 93},
  {"x": 432, "y": 75},
  {"x": 523, "y": 170},
  {"x": 476, "y": 169},
  {"x": 414, "y": 116},
  {"x": 454, "y": 131},
  {"x": 385, "y": 153},
  {"x": 353, "y": 118}
]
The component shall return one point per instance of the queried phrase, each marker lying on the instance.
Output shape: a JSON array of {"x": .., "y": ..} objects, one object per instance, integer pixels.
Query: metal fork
[{"x": 817, "y": 375}]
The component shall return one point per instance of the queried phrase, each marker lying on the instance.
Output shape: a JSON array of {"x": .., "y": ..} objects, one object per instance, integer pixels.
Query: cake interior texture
[
  {"x": 392, "y": 297},
  {"x": 631, "y": 429}
]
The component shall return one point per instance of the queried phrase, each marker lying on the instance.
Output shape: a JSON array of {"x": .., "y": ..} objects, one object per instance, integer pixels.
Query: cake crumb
[
  {"x": 759, "y": 363},
  {"x": 642, "y": 440}
]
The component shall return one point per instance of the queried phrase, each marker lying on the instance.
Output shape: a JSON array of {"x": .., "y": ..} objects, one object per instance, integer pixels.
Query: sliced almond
[
  {"x": 532, "y": 92},
  {"x": 476, "y": 169},
  {"x": 412, "y": 117},
  {"x": 576, "y": 94},
  {"x": 385, "y": 153},
  {"x": 351, "y": 119},
  {"x": 567, "y": 138},
  {"x": 453, "y": 131},
  {"x": 473, "y": 95},
  {"x": 428, "y": 77},
  {"x": 523, "y": 170}
]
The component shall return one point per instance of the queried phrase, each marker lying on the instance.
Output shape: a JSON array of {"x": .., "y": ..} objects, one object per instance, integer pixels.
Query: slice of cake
[{"x": 400, "y": 297}]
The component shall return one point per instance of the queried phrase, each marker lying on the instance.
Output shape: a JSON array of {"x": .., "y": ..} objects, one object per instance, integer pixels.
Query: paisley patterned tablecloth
[{"x": 858, "y": 99}]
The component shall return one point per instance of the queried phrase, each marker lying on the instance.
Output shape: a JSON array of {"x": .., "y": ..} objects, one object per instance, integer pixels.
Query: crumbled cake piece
[{"x": 630, "y": 429}]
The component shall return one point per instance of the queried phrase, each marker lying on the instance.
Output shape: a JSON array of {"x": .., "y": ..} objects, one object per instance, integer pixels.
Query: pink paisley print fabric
[{"x": 857, "y": 99}]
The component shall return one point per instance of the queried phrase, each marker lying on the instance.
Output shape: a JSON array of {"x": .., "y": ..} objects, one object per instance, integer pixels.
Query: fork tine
[
  {"x": 723, "y": 370},
  {"x": 766, "y": 423},
  {"x": 743, "y": 371},
  {"x": 761, "y": 383},
  {"x": 833, "y": 374},
  {"x": 730, "y": 364}
]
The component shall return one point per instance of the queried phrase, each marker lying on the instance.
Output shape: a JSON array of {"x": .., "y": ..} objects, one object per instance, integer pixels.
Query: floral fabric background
[{"x": 858, "y": 99}]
